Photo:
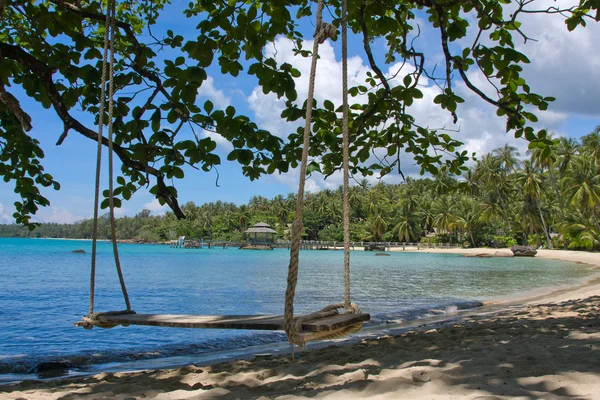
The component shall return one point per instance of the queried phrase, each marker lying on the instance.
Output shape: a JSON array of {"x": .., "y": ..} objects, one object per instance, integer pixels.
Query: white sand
[{"x": 547, "y": 348}]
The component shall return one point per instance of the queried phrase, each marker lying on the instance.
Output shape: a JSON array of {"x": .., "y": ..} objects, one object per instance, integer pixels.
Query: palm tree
[
  {"x": 445, "y": 219},
  {"x": 471, "y": 184},
  {"x": 491, "y": 171},
  {"x": 532, "y": 182},
  {"x": 581, "y": 230},
  {"x": 426, "y": 213},
  {"x": 442, "y": 184},
  {"x": 507, "y": 156},
  {"x": 467, "y": 216},
  {"x": 591, "y": 144},
  {"x": 567, "y": 150},
  {"x": 243, "y": 217},
  {"x": 528, "y": 218},
  {"x": 407, "y": 225},
  {"x": 378, "y": 227},
  {"x": 582, "y": 185}
]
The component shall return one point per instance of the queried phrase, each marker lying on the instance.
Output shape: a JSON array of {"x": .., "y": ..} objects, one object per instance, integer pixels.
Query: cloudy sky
[{"x": 564, "y": 64}]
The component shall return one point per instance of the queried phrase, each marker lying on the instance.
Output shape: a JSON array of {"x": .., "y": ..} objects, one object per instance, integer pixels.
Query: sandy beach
[{"x": 538, "y": 345}]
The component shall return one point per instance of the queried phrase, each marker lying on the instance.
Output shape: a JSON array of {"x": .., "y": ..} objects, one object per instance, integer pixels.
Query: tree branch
[
  {"x": 447, "y": 55},
  {"x": 369, "y": 111},
  {"x": 45, "y": 75},
  {"x": 13, "y": 105}
]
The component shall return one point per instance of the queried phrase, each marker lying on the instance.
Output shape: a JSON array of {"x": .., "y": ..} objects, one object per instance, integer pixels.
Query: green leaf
[
  {"x": 328, "y": 105},
  {"x": 312, "y": 167},
  {"x": 208, "y": 106}
]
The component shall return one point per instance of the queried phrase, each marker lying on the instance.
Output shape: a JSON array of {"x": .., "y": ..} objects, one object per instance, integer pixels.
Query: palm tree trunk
[
  {"x": 504, "y": 209},
  {"x": 472, "y": 239},
  {"x": 554, "y": 180},
  {"x": 548, "y": 241}
]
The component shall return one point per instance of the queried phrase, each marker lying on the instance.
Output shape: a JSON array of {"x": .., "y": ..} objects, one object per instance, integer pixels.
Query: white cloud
[
  {"x": 120, "y": 212},
  {"x": 564, "y": 64},
  {"x": 215, "y": 95},
  {"x": 155, "y": 207},
  {"x": 478, "y": 126},
  {"x": 5, "y": 217},
  {"x": 56, "y": 215}
]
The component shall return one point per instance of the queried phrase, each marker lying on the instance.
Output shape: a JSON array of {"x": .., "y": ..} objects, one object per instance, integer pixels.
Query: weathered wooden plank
[{"x": 256, "y": 322}]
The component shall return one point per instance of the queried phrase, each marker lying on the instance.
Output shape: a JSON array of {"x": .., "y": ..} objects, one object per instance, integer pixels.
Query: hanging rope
[
  {"x": 346, "y": 155},
  {"x": 99, "y": 161},
  {"x": 111, "y": 201},
  {"x": 107, "y": 77},
  {"x": 292, "y": 325}
]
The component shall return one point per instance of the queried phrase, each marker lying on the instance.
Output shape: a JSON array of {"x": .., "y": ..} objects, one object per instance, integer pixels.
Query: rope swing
[
  {"x": 292, "y": 325},
  {"x": 108, "y": 62},
  {"x": 299, "y": 329}
]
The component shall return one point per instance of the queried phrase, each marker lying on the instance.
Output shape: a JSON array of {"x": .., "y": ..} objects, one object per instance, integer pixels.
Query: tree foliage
[{"x": 50, "y": 50}]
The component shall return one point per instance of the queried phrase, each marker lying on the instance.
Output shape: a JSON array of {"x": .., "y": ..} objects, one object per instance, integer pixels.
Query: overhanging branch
[{"x": 45, "y": 73}]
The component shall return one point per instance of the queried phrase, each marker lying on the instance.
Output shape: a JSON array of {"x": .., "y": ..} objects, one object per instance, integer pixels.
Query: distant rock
[
  {"x": 524, "y": 251},
  {"x": 79, "y": 251},
  {"x": 49, "y": 369},
  {"x": 382, "y": 254},
  {"x": 479, "y": 255},
  {"x": 503, "y": 253},
  {"x": 374, "y": 247},
  {"x": 256, "y": 247},
  {"x": 420, "y": 377}
]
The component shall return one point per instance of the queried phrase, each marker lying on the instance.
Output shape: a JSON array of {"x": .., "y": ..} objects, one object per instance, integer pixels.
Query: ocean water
[{"x": 44, "y": 289}]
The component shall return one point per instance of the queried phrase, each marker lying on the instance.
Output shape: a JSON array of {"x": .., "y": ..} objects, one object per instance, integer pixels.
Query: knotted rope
[
  {"x": 292, "y": 325},
  {"x": 107, "y": 77}
]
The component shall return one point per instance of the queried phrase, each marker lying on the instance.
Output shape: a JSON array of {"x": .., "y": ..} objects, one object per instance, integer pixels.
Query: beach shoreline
[{"x": 370, "y": 369}]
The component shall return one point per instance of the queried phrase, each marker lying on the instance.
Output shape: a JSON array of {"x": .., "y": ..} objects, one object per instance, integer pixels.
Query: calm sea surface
[{"x": 44, "y": 289}]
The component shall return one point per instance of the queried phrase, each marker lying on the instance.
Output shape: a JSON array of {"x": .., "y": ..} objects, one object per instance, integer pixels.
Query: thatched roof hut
[{"x": 261, "y": 232}]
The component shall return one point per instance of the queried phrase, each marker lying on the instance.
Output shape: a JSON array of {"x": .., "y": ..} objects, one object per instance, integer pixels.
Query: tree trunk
[
  {"x": 472, "y": 239},
  {"x": 504, "y": 209},
  {"x": 537, "y": 203},
  {"x": 554, "y": 180}
]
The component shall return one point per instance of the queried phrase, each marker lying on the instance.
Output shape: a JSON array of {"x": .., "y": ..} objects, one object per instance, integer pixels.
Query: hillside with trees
[{"x": 549, "y": 196}]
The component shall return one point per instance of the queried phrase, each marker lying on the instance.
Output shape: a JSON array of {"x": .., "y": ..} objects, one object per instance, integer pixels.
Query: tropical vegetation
[{"x": 548, "y": 197}]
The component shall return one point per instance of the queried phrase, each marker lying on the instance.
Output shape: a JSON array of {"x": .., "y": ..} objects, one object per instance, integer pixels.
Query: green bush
[
  {"x": 331, "y": 233},
  {"x": 148, "y": 236},
  {"x": 504, "y": 241}
]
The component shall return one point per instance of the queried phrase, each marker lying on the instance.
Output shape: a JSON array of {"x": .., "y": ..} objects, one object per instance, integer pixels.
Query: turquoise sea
[{"x": 44, "y": 289}]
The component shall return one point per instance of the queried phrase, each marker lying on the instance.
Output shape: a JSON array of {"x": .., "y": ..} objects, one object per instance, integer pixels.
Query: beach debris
[
  {"x": 420, "y": 377},
  {"x": 503, "y": 253},
  {"x": 523, "y": 251},
  {"x": 480, "y": 255},
  {"x": 78, "y": 251},
  {"x": 382, "y": 254}
]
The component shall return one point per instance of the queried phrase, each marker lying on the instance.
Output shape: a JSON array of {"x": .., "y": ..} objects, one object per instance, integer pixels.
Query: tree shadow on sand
[{"x": 526, "y": 352}]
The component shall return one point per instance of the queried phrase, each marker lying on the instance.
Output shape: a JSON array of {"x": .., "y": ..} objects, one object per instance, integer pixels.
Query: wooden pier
[{"x": 183, "y": 243}]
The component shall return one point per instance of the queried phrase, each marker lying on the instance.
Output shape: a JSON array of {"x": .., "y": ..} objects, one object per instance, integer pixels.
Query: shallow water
[{"x": 44, "y": 288}]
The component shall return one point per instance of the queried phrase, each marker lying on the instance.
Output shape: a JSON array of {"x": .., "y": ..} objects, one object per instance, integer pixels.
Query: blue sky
[{"x": 564, "y": 65}]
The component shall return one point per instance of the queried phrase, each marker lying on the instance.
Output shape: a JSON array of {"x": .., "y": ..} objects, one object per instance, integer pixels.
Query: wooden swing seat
[{"x": 253, "y": 322}]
